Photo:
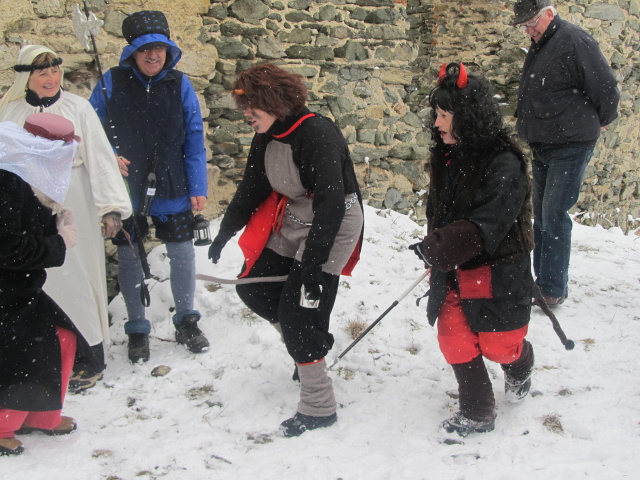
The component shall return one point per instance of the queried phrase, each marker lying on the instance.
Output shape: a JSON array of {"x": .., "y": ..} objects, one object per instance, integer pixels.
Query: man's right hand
[{"x": 123, "y": 164}]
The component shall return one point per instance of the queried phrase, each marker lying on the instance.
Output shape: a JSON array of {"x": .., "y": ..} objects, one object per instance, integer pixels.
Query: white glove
[{"x": 67, "y": 228}]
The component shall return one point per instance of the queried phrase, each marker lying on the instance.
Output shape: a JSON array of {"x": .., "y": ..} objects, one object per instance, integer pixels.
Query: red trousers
[
  {"x": 12, "y": 420},
  {"x": 459, "y": 344}
]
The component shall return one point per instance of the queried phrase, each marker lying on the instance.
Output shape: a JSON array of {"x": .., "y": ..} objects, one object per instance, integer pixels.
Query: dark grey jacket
[{"x": 567, "y": 89}]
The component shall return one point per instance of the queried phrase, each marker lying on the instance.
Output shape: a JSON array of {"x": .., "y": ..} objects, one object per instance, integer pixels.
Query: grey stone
[
  {"x": 384, "y": 137},
  {"x": 404, "y": 152},
  {"x": 269, "y": 47},
  {"x": 113, "y": 22},
  {"x": 297, "y": 17},
  {"x": 340, "y": 32},
  {"x": 313, "y": 53},
  {"x": 300, "y": 4},
  {"x": 230, "y": 29},
  {"x": 250, "y": 11},
  {"x": 383, "y": 16},
  {"x": 231, "y": 48},
  {"x": 362, "y": 89},
  {"x": 366, "y": 136},
  {"x": 369, "y": 123},
  {"x": 394, "y": 199},
  {"x": 299, "y": 36},
  {"x": 218, "y": 11},
  {"x": 327, "y": 13},
  {"x": 602, "y": 11},
  {"x": 332, "y": 88},
  {"x": 339, "y": 105},
  {"x": 361, "y": 154},
  {"x": 353, "y": 74},
  {"x": 413, "y": 120}
]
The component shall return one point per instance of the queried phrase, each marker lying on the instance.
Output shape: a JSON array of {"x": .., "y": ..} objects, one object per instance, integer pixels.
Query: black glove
[
  {"x": 417, "y": 249},
  {"x": 215, "y": 250}
]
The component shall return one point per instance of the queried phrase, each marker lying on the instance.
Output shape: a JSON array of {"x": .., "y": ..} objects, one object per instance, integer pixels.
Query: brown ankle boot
[{"x": 10, "y": 446}]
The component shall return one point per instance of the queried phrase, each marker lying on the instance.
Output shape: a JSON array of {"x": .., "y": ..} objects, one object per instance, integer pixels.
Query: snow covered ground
[{"x": 216, "y": 415}]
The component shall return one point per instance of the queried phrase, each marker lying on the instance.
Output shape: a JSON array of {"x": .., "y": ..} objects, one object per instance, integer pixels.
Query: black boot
[
  {"x": 517, "y": 375},
  {"x": 300, "y": 423},
  {"x": 138, "y": 348},
  {"x": 477, "y": 403},
  {"x": 189, "y": 335}
]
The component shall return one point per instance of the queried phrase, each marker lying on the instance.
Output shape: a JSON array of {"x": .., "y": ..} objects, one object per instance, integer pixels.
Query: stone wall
[{"x": 369, "y": 64}]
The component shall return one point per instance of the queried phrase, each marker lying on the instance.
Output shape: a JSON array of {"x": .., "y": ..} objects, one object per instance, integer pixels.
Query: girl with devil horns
[{"x": 478, "y": 242}]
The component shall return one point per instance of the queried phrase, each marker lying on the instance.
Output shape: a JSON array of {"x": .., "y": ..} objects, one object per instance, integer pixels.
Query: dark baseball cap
[{"x": 526, "y": 9}]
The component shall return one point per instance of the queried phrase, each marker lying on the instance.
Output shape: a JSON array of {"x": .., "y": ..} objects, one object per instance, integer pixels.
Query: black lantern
[{"x": 201, "y": 231}]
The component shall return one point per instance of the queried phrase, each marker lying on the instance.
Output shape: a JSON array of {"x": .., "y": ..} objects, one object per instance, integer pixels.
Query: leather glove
[
  {"x": 215, "y": 250},
  {"x": 67, "y": 228},
  {"x": 417, "y": 249},
  {"x": 111, "y": 224}
]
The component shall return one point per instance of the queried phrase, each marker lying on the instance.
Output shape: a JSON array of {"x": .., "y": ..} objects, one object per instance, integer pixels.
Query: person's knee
[
  {"x": 457, "y": 350},
  {"x": 501, "y": 352}
]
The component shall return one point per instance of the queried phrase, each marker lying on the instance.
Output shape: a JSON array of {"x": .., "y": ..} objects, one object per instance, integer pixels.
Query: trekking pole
[
  {"x": 377, "y": 320},
  {"x": 568, "y": 344}
]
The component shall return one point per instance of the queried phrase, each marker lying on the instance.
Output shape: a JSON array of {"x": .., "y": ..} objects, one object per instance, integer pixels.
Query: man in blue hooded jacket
[{"x": 153, "y": 114}]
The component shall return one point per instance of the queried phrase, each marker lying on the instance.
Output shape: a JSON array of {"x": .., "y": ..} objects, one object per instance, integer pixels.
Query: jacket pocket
[{"x": 475, "y": 283}]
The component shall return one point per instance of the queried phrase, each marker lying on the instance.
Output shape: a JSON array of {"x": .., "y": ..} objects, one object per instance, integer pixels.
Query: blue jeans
[
  {"x": 557, "y": 178},
  {"x": 182, "y": 276}
]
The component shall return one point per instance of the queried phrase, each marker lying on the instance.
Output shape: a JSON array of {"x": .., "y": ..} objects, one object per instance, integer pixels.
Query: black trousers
[{"x": 305, "y": 330}]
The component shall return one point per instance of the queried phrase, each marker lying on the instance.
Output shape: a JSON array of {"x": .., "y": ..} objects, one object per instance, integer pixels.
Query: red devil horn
[
  {"x": 443, "y": 73},
  {"x": 462, "y": 77}
]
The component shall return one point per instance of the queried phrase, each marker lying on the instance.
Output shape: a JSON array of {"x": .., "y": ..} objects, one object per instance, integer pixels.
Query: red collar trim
[{"x": 294, "y": 126}]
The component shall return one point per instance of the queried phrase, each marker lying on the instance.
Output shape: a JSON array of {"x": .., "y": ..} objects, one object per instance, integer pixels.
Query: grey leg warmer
[{"x": 316, "y": 390}]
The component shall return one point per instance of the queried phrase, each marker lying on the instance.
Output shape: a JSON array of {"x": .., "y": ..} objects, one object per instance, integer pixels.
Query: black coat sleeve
[
  {"x": 251, "y": 192},
  {"x": 28, "y": 237}
]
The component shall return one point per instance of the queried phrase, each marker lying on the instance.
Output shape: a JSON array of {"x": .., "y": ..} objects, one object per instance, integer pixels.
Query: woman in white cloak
[{"x": 97, "y": 196}]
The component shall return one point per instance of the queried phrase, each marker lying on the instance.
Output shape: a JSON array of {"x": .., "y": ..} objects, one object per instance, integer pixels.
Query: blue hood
[{"x": 172, "y": 49}]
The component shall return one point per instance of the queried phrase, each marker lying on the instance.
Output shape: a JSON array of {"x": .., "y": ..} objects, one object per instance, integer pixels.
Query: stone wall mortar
[{"x": 369, "y": 65}]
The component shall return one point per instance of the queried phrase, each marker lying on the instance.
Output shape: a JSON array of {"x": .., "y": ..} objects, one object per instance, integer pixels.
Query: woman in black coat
[
  {"x": 301, "y": 206},
  {"x": 479, "y": 242},
  {"x": 37, "y": 339}
]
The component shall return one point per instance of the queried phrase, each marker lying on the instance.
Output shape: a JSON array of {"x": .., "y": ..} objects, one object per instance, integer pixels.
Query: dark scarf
[{"x": 45, "y": 102}]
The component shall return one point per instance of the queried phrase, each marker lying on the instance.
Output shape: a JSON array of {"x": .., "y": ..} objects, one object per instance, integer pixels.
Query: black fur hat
[{"x": 142, "y": 23}]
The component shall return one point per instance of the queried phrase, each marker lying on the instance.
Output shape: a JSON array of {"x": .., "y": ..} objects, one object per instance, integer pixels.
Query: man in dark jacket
[
  {"x": 158, "y": 126},
  {"x": 567, "y": 95}
]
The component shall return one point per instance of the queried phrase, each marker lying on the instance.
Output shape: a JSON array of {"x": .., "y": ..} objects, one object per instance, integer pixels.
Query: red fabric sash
[{"x": 258, "y": 230}]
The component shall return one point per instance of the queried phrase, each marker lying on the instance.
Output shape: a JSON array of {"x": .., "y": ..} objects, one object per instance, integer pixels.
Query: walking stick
[
  {"x": 568, "y": 344},
  {"x": 377, "y": 320}
]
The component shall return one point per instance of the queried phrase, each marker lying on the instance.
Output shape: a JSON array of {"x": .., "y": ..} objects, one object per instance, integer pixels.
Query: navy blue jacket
[{"x": 567, "y": 89}]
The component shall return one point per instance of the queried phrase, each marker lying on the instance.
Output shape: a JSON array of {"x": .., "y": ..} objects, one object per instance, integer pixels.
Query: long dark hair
[{"x": 477, "y": 126}]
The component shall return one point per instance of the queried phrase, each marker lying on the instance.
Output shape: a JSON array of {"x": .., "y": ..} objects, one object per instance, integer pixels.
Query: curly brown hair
[{"x": 271, "y": 89}]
